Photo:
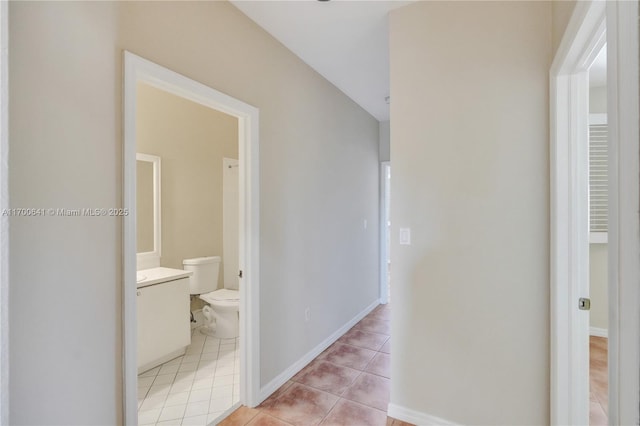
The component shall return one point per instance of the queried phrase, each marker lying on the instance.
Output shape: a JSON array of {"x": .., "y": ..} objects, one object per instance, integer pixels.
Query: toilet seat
[{"x": 222, "y": 295}]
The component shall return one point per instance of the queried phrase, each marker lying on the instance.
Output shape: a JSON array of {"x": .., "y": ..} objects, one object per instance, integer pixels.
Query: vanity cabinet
[{"x": 164, "y": 329}]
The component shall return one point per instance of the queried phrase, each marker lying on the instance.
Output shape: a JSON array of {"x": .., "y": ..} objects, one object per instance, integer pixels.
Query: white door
[{"x": 230, "y": 222}]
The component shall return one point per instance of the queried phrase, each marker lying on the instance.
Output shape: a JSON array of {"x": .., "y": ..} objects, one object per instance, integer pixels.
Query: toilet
[{"x": 221, "y": 313}]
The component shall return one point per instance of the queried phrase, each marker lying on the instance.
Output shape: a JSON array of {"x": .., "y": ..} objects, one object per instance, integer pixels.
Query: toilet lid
[{"x": 222, "y": 294}]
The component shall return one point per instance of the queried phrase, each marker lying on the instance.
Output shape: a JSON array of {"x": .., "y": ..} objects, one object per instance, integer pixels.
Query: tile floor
[
  {"x": 598, "y": 381},
  {"x": 194, "y": 389},
  {"x": 348, "y": 384}
]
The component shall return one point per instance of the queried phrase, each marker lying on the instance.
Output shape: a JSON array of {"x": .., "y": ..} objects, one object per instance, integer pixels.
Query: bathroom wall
[
  {"x": 318, "y": 182},
  {"x": 598, "y": 253},
  {"x": 385, "y": 141},
  {"x": 598, "y": 286},
  {"x": 470, "y": 151},
  {"x": 191, "y": 141},
  {"x": 598, "y": 99}
]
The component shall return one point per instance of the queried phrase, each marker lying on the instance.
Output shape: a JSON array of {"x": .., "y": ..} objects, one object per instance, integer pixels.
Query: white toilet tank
[{"x": 205, "y": 273}]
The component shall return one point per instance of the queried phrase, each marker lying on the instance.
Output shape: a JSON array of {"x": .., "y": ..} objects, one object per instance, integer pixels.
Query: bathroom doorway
[
  {"x": 194, "y": 395},
  {"x": 194, "y": 216}
]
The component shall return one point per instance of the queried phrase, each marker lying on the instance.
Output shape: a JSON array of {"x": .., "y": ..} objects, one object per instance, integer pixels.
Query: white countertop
[{"x": 147, "y": 277}]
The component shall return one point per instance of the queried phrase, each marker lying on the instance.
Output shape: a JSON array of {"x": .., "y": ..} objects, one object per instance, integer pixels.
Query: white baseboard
[
  {"x": 599, "y": 332},
  {"x": 416, "y": 417},
  {"x": 287, "y": 374}
]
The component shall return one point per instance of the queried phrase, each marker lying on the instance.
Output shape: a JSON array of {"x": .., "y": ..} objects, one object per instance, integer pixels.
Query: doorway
[
  {"x": 183, "y": 149},
  {"x": 582, "y": 42},
  {"x": 139, "y": 70}
]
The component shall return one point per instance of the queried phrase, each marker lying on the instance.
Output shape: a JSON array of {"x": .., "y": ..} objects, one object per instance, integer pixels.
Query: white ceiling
[{"x": 345, "y": 41}]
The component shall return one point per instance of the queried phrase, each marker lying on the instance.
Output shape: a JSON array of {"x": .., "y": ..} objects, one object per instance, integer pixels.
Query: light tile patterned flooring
[
  {"x": 193, "y": 389},
  {"x": 348, "y": 384},
  {"x": 598, "y": 381}
]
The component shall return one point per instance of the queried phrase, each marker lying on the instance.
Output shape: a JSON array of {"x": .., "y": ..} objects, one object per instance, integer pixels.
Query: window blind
[{"x": 598, "y": 175}]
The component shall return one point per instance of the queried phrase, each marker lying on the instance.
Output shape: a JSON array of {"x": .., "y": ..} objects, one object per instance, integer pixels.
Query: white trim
[
  {"x": 384, "y": 284},
  {"x": 4, "y": 221},
  {"x": 598, "y": 332},
  {"x": 294, "y": 368},
  {"x": 137, "y": 69},
  {"x": 416, "y": 417},
  {"x": 569, "y": 261},
  {"x": 151, "y": 259},
  {"x": 624, "y": 221}
]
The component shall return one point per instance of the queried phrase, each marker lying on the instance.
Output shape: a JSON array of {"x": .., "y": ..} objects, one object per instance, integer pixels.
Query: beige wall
[
  {"x": 318, "y": 182},
  {"x": 598, "y": 100},
  {"x": 469, "y": 83},
  {"x": 598, "y": 286},
  {"x": 191, "y": 141},
  {"x": 65, "y": 151},
  {"x": 598, "y": 253},
  {"x": 561, "y": 10}
]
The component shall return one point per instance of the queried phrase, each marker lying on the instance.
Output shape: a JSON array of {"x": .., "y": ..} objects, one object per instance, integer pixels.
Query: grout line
[
  {"x": 197, "y": 349},
  {"x": 338, "y": 396}
]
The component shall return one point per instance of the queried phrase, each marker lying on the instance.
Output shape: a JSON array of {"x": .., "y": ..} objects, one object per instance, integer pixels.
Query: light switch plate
[{"x": 405, "y": 236}]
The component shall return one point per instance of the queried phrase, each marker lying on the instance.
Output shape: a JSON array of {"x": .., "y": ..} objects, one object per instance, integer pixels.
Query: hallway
[
  {"x": 347, "y": 384},
  {"x": 598, "y": 381}
]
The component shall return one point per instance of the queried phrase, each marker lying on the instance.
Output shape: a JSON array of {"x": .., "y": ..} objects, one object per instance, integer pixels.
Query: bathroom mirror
[{"x": 148, "y": 241}]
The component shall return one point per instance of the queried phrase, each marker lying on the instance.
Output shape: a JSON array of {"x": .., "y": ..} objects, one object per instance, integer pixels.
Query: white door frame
[
  {"x": 4, "y": 221},
  {"x": 569, "y": 404},
  {"x": 137, "y": 69},
  {"x": 569, "y": 262},
  {"x": 624, "y": 219},
  {"x": 384, "y": 255}
]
